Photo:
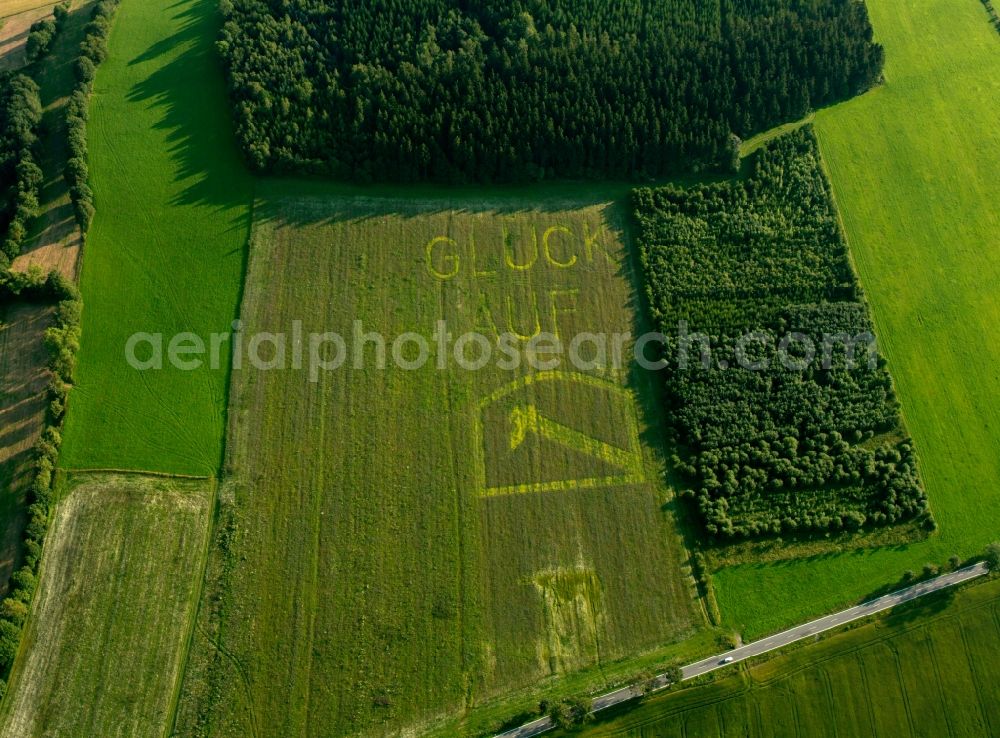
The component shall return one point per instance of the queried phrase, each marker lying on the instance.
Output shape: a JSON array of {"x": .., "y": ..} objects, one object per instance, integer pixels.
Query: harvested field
[{"x": 110, "y": 624}]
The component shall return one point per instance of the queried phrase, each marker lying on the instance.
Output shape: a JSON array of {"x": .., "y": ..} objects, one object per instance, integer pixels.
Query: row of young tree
[
  {"x": 456, "y": 90},
  {"x": 93, "y": 51},
  {"x": 20, "y": 175},
  {"x": 784, "y": 412},
  {"x": 733, "y": 256},
  {"x": 62, "y": 341}
]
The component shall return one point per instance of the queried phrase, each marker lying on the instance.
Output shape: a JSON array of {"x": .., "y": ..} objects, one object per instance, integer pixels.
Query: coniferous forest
[
  {"x": 514, "y": 90},
  {"x": 784, "y": 413}
]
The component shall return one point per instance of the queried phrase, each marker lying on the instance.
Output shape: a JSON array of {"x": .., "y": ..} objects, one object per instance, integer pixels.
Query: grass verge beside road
[{"x": 930, "y": 667}]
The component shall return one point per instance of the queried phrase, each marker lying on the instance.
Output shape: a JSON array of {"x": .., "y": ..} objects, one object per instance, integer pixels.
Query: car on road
[{"x": 727, "y": 660}]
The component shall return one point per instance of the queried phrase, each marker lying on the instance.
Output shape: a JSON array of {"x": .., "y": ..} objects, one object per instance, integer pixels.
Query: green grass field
[
  {"x": 411, "y": 544},
  {"x": 914, "y": 169},
  {"x": 105, "y": 645},
  {"x": 166, "y": 250},
  {"x": 928, "y": 669}
]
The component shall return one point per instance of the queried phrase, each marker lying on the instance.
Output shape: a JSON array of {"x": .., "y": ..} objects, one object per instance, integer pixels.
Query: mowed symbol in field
[{"x": 534, "y": 436}]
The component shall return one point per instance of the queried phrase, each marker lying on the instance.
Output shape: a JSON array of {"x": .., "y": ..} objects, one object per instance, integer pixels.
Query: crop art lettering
[{"x": 554, "y": 247}]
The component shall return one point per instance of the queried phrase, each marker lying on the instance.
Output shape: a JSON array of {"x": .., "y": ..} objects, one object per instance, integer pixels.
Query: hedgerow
[
  {"x": 43, "y": 32},
  {"x": 62, "y": 340},
  {"x": 20, "y": 116},
  {"x": 40, "y": 38},
  {"x": 93, "y": 51},
  {"x": 745, "y": 277}
]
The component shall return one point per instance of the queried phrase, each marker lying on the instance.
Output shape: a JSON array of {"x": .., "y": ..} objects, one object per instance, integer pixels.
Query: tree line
[
  {"x": 20, "y": 117},
  {"x": 457, "y": 91},
  {"x": 62, "y": 341},
  {"x": 20, "y": 124},
  {"x": 43, "y": 32},
  {"x": 773, "y": 442},
  {"x": 93, "y": 51}
]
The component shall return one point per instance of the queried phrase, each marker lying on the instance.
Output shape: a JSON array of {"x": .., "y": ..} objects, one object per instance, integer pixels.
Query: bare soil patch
[{"x": 15, "y": 21}]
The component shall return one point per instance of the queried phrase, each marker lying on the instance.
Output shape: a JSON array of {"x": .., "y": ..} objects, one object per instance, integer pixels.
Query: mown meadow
[
  {"x": 400, "y": 545},
  {"x": 913, "y": 166},
  {"x": 927, "y": 669}
]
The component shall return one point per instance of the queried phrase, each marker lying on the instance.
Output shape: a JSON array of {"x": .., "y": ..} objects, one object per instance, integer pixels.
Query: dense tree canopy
[
  {"x": 497, "y": 90},
  {"x": 20, "y": 176},
  {"x": 785, "y": 413}
]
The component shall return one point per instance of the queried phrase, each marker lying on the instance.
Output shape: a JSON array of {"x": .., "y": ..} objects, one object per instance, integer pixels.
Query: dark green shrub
[
  {"x": 571, "y": 713},
  {"x": 10, "y": 635},
  {"x": 40, "y": 38}
]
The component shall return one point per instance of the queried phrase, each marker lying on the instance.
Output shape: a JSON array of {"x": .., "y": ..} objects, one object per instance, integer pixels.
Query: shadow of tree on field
[
  {"x": 54, "y": 237},
  {"x": 190, "y": 94},
  {"x": 920, "y": 609}
]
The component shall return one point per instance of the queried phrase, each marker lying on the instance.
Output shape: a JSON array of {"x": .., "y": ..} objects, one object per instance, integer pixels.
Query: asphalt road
[{"x": 778, "y": 640}]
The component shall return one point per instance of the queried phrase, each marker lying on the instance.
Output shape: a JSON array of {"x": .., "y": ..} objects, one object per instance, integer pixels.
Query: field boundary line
[
  {"x": 194, "y": 610},
  {"x": 220, "y": 479},
  {"x": 140, "y": 473},
  {"x": 29, "y": 10}
]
